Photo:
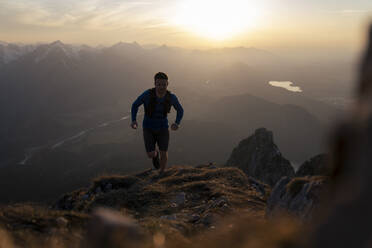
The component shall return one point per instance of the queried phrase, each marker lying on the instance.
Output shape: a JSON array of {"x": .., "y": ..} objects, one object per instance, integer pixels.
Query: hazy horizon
[
  {"x": 198, "y": 25},
  {"x": 348, "y": 55}
]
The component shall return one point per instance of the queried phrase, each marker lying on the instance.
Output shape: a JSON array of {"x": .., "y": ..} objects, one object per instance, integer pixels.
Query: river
[{"x": 29, "y": 152}]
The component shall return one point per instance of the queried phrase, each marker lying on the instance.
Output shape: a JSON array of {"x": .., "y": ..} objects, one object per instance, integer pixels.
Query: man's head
[{"x": 161, "y": 82}]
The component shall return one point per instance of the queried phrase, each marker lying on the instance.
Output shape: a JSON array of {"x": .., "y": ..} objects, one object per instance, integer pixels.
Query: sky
[{"x": 298, "y": 24}]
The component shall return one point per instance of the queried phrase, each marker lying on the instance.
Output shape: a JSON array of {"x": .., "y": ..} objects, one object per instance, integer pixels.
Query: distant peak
[
  {"x": 119, "y": 43},
  {"x": 57, "y": 43},
  {"x": 56, "y": 47},
  {"x": 126, "y": 44}
]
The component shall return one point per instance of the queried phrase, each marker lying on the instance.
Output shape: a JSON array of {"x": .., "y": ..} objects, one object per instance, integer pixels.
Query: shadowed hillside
[{"x": 101, "y": 83}]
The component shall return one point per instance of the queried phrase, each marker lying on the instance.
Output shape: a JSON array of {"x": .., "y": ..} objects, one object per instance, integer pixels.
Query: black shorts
[{"x": 151, "y": 137}]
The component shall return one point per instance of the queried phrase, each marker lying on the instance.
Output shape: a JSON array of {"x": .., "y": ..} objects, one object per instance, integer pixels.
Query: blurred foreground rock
[
  {"x": 109, "y": 228},
  {"x": 347, "y": 219}
]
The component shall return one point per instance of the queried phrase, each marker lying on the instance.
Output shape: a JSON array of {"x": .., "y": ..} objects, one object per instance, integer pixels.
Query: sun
[{"x": 217, "y": 19}]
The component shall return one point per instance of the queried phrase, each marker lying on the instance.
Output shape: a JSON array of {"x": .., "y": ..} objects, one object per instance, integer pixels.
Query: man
[{"x": 157, "y": 103}]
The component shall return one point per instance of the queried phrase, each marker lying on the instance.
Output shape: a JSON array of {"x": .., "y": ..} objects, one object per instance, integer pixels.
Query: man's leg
[
  {"x": 151, "y": 154},
  {"x": 150, "y": 141},
  {"x": 163, "y": 142},
  {"x": 163, "y": 160}
]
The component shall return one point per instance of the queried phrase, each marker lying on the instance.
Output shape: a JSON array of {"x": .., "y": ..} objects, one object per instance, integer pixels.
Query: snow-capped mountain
[
  {"x": 56, "y": 48},
  {"x": 10, "y": 52}
]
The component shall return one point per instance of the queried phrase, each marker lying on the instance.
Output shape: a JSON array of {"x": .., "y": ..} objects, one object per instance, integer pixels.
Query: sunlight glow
[{"x": 217, "y": 19}]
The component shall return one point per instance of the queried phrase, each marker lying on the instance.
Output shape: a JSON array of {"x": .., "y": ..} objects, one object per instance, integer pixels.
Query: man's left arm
[{"x": 176, "y": 104}]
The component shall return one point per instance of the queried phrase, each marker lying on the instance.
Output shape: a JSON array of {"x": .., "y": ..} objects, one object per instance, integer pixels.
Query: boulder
[
  {"x": 179, "y": 198},
  {"x": 298, "y": 196},
  {"x": 62, "y": 222}
]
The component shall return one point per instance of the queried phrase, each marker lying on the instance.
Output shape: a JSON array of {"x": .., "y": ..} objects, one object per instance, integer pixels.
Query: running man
[{"x": 157, "y": 103}]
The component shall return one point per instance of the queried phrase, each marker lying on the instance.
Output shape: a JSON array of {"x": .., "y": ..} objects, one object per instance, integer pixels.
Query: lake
[{"x": 286, "y": 85}]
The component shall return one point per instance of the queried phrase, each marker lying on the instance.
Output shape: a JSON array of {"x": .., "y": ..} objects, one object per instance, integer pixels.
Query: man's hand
[
  {"x": 134, "y": 124},
  {"x": 174, "y": 126}
]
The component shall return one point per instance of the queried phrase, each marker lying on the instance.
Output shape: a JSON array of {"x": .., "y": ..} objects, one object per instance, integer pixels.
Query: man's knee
[
  {"x": 164, "y": 154},
  {"x": 151, "y": 154}
]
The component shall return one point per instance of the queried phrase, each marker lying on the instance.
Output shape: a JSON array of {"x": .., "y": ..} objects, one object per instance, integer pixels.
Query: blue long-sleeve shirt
[{"x": 157, "y": 121}]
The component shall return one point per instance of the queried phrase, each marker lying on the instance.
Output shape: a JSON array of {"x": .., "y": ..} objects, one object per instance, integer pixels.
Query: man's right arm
[{"x": 138, "y": 102}]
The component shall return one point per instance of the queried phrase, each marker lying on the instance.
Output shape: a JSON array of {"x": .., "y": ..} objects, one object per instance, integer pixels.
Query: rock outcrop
[
  {"x": 298, "y": 196},
  {"x": 260, "y": 158},
  {"x": 316, "y": 166}
]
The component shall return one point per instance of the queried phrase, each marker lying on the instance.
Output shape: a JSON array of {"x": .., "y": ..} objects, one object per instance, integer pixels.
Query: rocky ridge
[
  {"x": 296, "y": 194},
  {"x": 193, "y": 197}
]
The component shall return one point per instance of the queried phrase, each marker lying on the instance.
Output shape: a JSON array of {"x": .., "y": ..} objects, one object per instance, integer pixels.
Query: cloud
[
  {"x": 349, "y": 11},
  {"x": 88, "y": 14}
]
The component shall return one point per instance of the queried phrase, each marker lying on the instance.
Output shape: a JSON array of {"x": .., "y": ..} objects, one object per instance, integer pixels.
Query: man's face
[{"x": 161, "y": 85}]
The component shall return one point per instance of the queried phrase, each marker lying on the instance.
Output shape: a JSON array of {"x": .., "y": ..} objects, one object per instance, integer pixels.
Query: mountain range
[{"x": 52, "y": 92}]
